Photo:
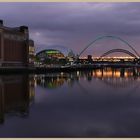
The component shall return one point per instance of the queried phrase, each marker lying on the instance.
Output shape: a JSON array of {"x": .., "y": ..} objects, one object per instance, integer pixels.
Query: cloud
[{"x": 74, "y": 25}]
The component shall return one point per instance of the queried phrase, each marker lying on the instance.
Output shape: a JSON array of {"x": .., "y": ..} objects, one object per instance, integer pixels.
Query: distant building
[
  {"x": 50, "y": 57},
  {"x": 89, "y": 59},
  {"x": 14, "y": 46},
  {"x": 50, "y": 53},
  {"x": 31, "y": 53},
  {"x": 71, "y": 57}
]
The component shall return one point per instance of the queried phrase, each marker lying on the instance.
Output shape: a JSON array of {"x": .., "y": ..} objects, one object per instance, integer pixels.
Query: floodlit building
[
  {"x": 50, "y": 57},
  {"x": 50, "y": 53},
  {"x": 54, "y": 57},
  {"x": 14, "y": 46},
  {"x": 31, "y": 53}
]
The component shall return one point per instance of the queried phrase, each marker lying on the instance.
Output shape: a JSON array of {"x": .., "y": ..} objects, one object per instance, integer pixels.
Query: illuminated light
[
  {"x": 35, "y": 83},
  {"x": 93, "y": 73},
  {"x": 108, "y": 73},
  {"x": 52, "y": 52},
  {"x": 78, "y": 73},
  {"x": 62, "y": 73},
  {"x": 126, "y": 74},
  {"x": 31, "y": 49},
  {"x": 117, "y": 74},
  {"x": 99, "y": 74}
]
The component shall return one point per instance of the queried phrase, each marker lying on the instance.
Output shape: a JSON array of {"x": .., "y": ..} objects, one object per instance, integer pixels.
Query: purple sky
[{"x": 74, "y": 25}]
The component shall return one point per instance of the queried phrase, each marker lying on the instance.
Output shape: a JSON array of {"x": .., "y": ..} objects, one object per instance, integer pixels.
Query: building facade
[
  {"x": 31, "y": 53},
  {"x": 50, "y": 57},
  {"x": 14, "y": 46}
]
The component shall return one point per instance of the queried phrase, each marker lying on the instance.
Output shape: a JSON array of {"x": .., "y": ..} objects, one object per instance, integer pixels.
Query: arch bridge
[
  {"x": 112, "y": 37},
  {"x": 118, "y": 50}
]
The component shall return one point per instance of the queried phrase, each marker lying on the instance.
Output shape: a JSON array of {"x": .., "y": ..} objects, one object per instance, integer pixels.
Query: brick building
[{"x": 14, "y": 46}]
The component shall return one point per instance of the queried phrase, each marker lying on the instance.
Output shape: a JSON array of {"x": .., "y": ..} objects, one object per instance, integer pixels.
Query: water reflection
[
  {"x": 111, "y": 77},
  {"x": 16, "y": 94},
  {"x": 95, "y": 103}
]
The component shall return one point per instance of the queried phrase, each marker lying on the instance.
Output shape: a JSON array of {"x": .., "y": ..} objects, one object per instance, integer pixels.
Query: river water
[{"x": 96, "y": 103}]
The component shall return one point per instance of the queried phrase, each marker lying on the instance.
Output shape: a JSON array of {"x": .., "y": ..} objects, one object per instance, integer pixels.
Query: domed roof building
[
  {"x": 50, "y": 54},
  {"x": 55, "y": 55}
]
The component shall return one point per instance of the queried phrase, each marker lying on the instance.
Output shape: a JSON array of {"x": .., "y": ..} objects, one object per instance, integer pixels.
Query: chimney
[{"x": 24, "y": 29}]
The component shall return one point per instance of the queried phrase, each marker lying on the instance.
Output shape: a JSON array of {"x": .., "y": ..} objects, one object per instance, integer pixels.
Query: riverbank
[{"x": 37, "y": 70}]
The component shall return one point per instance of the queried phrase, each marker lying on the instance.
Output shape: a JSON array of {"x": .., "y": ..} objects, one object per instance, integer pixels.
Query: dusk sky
[{"x": 74, "y": 25}]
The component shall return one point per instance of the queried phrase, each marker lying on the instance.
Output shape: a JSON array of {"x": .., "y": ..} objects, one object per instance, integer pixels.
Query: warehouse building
[{"x": 14, "y": 46}]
